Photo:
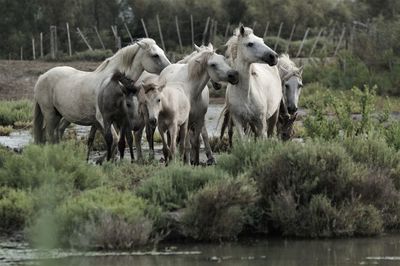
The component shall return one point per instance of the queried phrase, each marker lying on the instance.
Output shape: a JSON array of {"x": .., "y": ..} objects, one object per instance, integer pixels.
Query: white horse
[
  {"x": 168, "y": 107},
  {"x": 257, "y": 96},
  {"x": 292, "y": 83},
  {"x": 195, "y": 73},
  {"x": 72, "y": 94}
]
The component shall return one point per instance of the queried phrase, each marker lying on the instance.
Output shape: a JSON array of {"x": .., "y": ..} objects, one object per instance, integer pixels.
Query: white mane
[
  {"x": 127, "y": 54},
  {"x": 287, "y": 67},
  {"x": 232, "y": 43},
  {"x": 198, "y": 62}
]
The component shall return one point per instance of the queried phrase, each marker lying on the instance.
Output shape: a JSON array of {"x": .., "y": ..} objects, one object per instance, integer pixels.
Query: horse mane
[
  {"x": 127, "y": 54},
  {"x": 198, "y": 62},
  {"x": 187, "y": 58},
  {"x": 232, "y": 43},
  {"x": 287, "y": 67}
]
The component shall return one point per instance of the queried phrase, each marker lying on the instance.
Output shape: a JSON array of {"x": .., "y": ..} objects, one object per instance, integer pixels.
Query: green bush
[
  {"x": 246, "y": 155},
  {"x": 16, "y": 209},
  {"x": 63, "y": 164},
  {"x": 375, "y": 154},
  {"x": 170, "y": 187},
  {"x": 392, "y": 135},
  {"x": 128, "y": 176},
  {"x": 220, "y": 209},
  {"x": 103, "y": 218},
  {"x": 15, "y": 111},
  {"x": 317, "y": 167}
]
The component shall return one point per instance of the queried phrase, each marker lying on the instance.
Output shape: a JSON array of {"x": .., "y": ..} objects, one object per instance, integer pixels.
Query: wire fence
[{"x": 182, "y": 32}]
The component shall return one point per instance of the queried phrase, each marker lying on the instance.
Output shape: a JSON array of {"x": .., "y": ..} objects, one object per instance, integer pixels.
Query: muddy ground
[{"x": 18, "y": 78}]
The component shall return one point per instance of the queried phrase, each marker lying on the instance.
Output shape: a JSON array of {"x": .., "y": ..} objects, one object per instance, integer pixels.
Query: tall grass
[{"x": 12, "y": 112}]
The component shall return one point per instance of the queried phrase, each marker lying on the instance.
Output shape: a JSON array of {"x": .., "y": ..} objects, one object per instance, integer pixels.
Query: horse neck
[
  {"x": 244, "y": 76},
  {"x": 116, "y": 64},
  {"x": 198, "y": 83}
]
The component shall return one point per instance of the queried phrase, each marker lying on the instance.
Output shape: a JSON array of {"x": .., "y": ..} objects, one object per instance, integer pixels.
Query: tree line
[{"x": 23, "y": 19}]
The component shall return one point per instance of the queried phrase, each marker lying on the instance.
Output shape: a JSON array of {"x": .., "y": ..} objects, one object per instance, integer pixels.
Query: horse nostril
[
  {"x": 153, "y": 121},
  {"x": 292, "y": 110}
]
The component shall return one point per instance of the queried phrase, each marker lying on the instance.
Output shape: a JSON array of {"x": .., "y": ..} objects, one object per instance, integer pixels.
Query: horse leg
[
  {"x": 121, "y": 143},
  {"x": 150, "y": 139},
  {"x": 90, "y": 140},
  {"x": 129, "y": 139},
  {"x": 230, "y": 132},
  {"x": 108, "y": 137},
  {"x": 183, "y": 139},
  {"x": 210, "y": 157},
  {"x": 165, "y": 149},
  {"x": 138, "y": 143},
  {"x": 225, "y": 124},
  {"x": 52, "y": 121},
  {"x": 196, "y": 145},
  {"x": 271, "y": 123},
  {"x": 62, "y": 127},
  {"x": 173, "y": 131},
  {"x": 239, "y": 127}
]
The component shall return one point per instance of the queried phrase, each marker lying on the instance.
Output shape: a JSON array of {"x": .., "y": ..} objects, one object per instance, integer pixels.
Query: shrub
[
  {"x": 220, "y": 209},
  {"x": 128, "y": 176},
  {"x": 62, "y": 164},
  {"x": 392, "y": 135},
  {"x": 170, "y": 187},
  {"x": 374, "y": 153},
  {"x": 103, "y": 218},
  {"x": 247, "y": 154},
  {"x": 5, "y": 131},
  {"x": 316, "y": 167},
  {"x": 15, "y": 111},
  {"x": 15, "y": 209}
]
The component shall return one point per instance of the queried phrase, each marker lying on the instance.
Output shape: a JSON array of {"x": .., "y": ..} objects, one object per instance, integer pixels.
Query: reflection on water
[{"x": 361, "y": 251}]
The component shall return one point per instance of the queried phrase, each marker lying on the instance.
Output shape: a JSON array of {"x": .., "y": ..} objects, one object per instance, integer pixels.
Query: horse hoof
[{"x": 211, "y": 161}]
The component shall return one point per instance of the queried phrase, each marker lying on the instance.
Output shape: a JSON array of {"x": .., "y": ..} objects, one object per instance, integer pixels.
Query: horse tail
[
  {"x": 226, "y": 114},
  {"x": 38, "y": 130}
]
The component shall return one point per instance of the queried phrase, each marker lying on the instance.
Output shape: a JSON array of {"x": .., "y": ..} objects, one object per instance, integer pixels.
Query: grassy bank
[{"x": 319, "y": 188}]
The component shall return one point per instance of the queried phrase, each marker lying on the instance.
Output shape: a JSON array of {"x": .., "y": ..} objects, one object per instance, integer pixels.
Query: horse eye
[
  {"x": 213, "y": 65},
  {"x": 156, "y": 56},
  {"x": 287, "y": 86},
  {"x": 158, "y": 100},
  {"x": 250, "y": 44}
]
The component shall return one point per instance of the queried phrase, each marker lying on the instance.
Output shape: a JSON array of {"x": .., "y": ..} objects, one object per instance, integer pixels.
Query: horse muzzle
[
  {"x": 271, "y": 58},
  {"x": 233, "y": 77},
  {"x": 216, "y": 85}
]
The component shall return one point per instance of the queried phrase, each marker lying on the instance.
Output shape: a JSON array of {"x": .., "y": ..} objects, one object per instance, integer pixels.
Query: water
[{"x": 384, "y": 250}]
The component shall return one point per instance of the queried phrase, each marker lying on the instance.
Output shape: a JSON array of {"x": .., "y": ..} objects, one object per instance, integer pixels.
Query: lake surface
[{"x": 384, "y": 250}]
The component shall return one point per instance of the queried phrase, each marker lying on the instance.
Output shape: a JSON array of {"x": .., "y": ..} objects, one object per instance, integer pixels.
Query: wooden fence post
[
  {"x": 33, "y": 49},
  {"x": 41, "y": 44},
  {"x": 278, "y": 36},
  {"x": 266, "y": 30},
  {"x": 179, "y": 33},
  {"x": 205, "y": 30},
  {"x": 129, "y": 33},
  {"x": 99, "y": 37},
  {"x": 290, "y": 38},
  {"x": 316, "y": 41},
  {"x": 69, "y": 40},
  {"x": 84, "y": 39},
  {"x": 192, "y": 27},
  {"x": 52, "y": 44},
  {"x": 302, "y": 42},
  {"x": 159, "y": 29},
  {"x": 144, "y": 28},
  {"x": 227, "y": 30},
  {"x": 116, "y": 37},
  {"x": 22, "y": 53},
  {"x": 340, "y": 41}
]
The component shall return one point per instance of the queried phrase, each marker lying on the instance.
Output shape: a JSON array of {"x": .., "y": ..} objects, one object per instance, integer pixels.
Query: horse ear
[
  {"x": 161, "y": 87},
  {"x": 142, "y": 45},
  {"x": 196, "y": 47},
  {"x": 241, "y": 29},
  {"x": 148, "y": 87},
  {"x": 301, "y": 70},
  {"x": 210, "y": 46},
  {"x": 294, "y": 117}
]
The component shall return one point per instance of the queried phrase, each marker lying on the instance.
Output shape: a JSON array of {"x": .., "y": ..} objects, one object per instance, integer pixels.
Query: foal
[{"x": 168, "y": 107}]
